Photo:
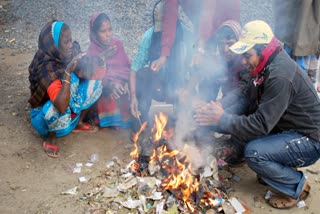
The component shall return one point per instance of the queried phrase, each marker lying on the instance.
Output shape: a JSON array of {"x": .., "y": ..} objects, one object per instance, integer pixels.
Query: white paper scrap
[
  {"x": 89, "y": 164},
  {"x": 127, "y": 175},
  {"x": 83, "y": 179},
  {"x": 79, "y": 164},
  {"x": 159, "y": 208},
  {"x": 156, "y": 196},
  {"x": 268, "y": 195},
  {"x": 72, "y": 191},
  {"x": 109, "y": 164},
  {"x": 77, "y": 170},
  {"x": 131, "y": 204},
  {"x": 301, "y": 204},
  {"x": 237, "y": 205}
]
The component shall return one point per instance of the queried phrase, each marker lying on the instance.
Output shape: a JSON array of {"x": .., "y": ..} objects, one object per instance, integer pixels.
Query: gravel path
[{"x": 21, "y": 20}]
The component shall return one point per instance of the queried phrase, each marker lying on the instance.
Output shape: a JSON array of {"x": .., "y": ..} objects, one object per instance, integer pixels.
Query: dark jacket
[{"x": 287, "y": 101}]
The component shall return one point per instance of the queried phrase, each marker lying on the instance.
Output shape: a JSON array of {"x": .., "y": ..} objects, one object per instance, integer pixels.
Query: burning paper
[{"x": 174, "y": 167}]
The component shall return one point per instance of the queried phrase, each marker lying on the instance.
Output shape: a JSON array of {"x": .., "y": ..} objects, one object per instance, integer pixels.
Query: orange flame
[
  {"x": 180, "y": 179},
  {"x": 160, "y": 123},
  {"x": 135, "y": 153}
]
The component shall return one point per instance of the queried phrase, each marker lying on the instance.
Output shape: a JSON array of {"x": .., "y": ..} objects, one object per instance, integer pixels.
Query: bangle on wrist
[{"x": 66, "y": 81}]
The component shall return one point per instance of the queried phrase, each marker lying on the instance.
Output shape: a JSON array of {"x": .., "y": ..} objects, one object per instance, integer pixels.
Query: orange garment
[{"x": 54, "y": 89}]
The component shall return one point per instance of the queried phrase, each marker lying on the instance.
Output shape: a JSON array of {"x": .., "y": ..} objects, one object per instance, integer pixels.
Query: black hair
[
  {"x": 97, "y": 23},
  {"x": 259, "y": 48},
  {"x": 226, "y": 32},
  {"x": 65, "y": 27}
]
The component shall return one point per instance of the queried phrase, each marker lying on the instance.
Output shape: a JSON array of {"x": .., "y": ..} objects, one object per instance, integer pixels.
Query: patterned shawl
[{"x": 118, "y": 65}]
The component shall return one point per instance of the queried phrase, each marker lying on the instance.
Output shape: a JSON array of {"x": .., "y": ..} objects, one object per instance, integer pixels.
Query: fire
[
  {"x": 135, "y": 153},
  {"x": 160, "y": 123},
  {"x": 180, "y": 177},
  {"x": 176, "y": 167}
]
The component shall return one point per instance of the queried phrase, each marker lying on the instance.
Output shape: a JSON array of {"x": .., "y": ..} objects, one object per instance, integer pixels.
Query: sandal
[
  {"x": 282, "y": 201},
  {"x": 84, "y": 127},
  {"x": 51, "y": 149}
]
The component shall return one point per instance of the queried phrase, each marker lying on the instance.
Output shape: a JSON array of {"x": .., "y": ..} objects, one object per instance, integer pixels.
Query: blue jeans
[{"x": 273, "y": 157}]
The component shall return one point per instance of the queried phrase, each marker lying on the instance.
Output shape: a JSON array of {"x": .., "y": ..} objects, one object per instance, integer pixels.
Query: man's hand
[
  {"x": 209, "y": 115},
  {"x": 198, "y": 104},
  {"x": 134, "y": 107},
  {"x": 158, "y": 64}
]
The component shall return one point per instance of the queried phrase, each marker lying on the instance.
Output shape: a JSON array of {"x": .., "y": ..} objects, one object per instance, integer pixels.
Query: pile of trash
[
  {"x": 160, "y": 178},
  {"x": 116, "y": 189}
]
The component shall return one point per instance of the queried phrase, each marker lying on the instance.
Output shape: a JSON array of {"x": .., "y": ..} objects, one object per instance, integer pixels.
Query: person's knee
[
  {"x": 254, "y": 154},
  {"x": 253, "y": 148}
]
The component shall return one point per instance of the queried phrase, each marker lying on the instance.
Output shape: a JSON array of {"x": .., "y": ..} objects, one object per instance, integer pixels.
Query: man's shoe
[{"x": 281, "y": 201}]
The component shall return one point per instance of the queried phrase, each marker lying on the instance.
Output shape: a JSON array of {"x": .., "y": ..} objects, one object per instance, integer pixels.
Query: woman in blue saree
[{"x": 64, "y": 84}]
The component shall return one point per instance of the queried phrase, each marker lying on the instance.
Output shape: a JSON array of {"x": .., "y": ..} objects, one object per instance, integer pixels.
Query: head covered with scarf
[
  {"x": 227, "y": 34},
  {"x": 118, "y": 64},
  {"x": 228, "y": 31},
  {"x": 48, "y": 63},
  {"x": 96, "y": 46},
  {"x": 233, "y": 25}
]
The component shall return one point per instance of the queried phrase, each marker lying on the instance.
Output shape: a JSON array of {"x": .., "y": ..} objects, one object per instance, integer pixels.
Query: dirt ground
[{"x": 31, "y": 182}]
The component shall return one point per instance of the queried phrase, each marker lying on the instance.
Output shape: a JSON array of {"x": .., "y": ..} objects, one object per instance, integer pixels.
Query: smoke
[
  {"x": 199, "y": 83},
  {"x": 200, "y": 140},
  {"x": 185, "y": 127}
]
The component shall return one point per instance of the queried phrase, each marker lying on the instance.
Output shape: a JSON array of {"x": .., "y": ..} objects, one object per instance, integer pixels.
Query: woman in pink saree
[{"x": 113, "y": 107}]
